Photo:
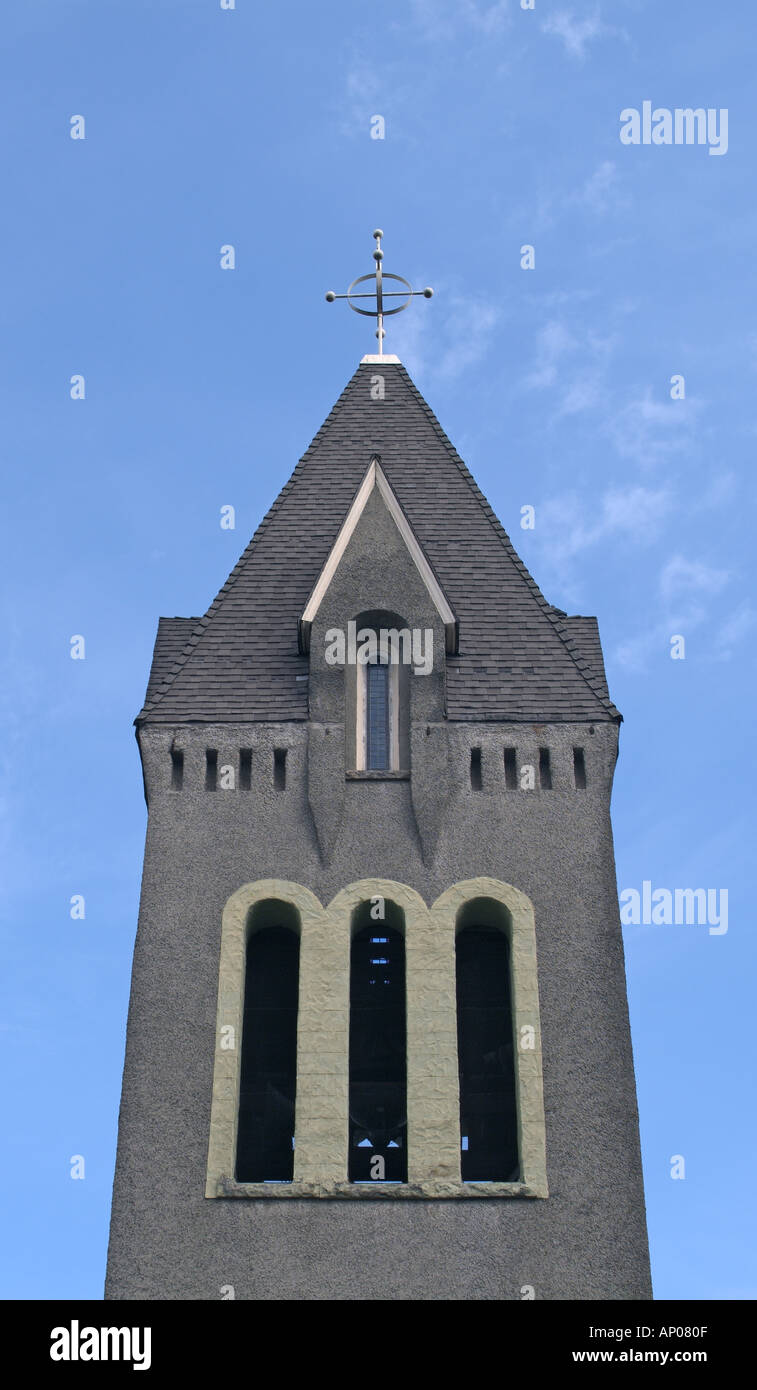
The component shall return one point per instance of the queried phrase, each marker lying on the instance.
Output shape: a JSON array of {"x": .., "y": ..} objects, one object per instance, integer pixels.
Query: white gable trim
[{"x": 376, "y": 478}]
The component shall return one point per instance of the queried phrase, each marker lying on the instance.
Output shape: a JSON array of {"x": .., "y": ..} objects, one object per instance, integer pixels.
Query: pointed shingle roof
[{"x": 519, "y": 658}]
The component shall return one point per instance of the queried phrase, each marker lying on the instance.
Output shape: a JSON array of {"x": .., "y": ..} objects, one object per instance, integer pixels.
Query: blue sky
[{"x": 207, "y": 127}]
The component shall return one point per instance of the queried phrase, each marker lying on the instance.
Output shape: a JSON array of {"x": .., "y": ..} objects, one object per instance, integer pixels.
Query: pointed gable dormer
[{"x": 375, "y": 479}]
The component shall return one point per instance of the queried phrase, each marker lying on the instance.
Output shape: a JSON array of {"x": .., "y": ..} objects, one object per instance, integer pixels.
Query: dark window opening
[
  {"x": 488, "y": 1114},
  {"x": 545, "y": 770},
  {"x": 280, "y": 768},
  {"x": 211, "y": 769},
  {"x": 476, "y": 780},
  {"x": 378, "y": 1067},
  {"x": 265, "y": 1143},
  {"x": 579, "y": 768},
  {"x": 245, "y": 769},
  {"x": 177, "y": 769},
  {"x": 378, "y": 734},
  {"x": 511, "y": 770}
]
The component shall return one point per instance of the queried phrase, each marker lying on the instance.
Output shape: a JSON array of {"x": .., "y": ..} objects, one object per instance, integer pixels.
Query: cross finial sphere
[{"x": 379, "y": 294}]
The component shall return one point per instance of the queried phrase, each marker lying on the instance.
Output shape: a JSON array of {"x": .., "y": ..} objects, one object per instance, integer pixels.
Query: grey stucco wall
[{"x": 588, "y": 1238}]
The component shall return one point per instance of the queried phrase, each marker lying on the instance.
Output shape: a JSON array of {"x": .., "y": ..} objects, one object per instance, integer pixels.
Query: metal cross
[{"x": 379, "y": 294}]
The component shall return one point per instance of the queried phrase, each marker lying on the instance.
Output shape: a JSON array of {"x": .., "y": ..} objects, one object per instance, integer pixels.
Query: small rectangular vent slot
[
  {"x": 511, "y": 770},
  {"x": 177, "y": 769},
  {"x": 545, "y": 771},
  {"x": 280, "y": 768},
  {"x": 476, "y": 779},
  {"x": 211, "y": 769},
  {"x": 245, "y": 769},
  {"x": 579, "y": 768}
]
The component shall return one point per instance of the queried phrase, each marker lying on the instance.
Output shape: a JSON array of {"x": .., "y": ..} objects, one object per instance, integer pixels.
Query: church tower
[{"x": 378, "y": 1042}]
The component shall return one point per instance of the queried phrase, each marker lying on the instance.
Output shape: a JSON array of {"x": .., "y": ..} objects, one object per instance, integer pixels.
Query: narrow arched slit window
[
  {"x": 378, "y": 1066},
  {"x": 378, "y": 698},
  {"x": 265, "y": 1131},
  {"x": 378, "y": 725},
  {"x": 488, "y": 1111}
]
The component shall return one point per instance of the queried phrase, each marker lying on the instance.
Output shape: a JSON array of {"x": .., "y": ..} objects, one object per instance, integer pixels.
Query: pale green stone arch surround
[
  {"x": 433, "y": 1100},
  {"x": 518, "y": 924},
  {"x": 222, "y": 1148}
]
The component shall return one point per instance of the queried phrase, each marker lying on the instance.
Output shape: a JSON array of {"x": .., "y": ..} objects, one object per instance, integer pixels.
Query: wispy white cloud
[
  {"x": 573, "y": 360},
  {"x": 637, "y": 511},
  {"x": 682, "y": 577},
  {"x": 602, "y": 190},
  {"x": 650, "y": 431},
  {"x": 583, "y": 393},
  {"x": 572, "y": 364},
  {"x": 553, "y": 341},
  {"x": 557, "y": 299},
  {"x": 686, "y": 590},
  {"x": 734, "y": 630},
  {"x": 720, "y": 490},
  {"x": 366, "y": 95},
  {"x": 635, "y": 653},
  {"x": 469, "y": 326},
  {"x": 408, "y": 338},
  {"x": 577, "y": 33},
  {"x": 458, "y": 336},
  {"x": 569, "y": 524},
  {"x": 441, "y": 19},
  {"x": 393, "y": 87}
]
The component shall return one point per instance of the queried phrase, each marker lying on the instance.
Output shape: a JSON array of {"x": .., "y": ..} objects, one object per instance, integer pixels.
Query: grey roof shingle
[
  {"x": 519, "y": 657},
  {"x": 171, "y": 639}
]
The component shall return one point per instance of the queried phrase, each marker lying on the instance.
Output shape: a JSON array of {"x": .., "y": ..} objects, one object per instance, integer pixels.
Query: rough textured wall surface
[
  {"x": 429, "y": 831},
  {"x": 588, "y": 1239}
]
